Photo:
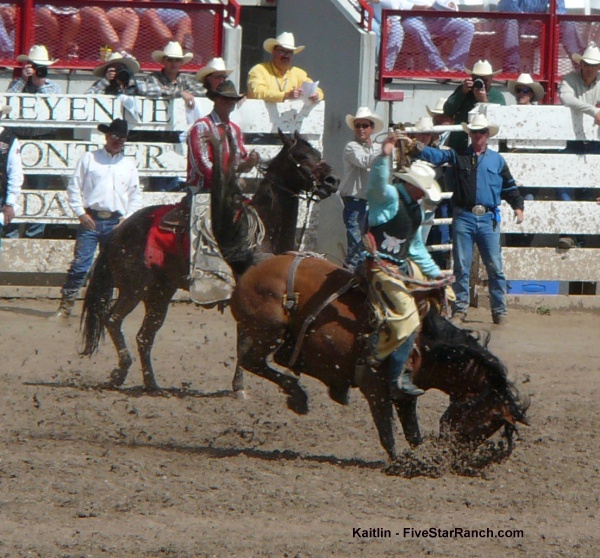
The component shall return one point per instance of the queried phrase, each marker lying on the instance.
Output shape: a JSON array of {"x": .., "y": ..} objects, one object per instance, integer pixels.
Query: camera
[
  {"x": 478, "y": 84},
  {"x": 41, "y": 71},
  {"x": 124, "y": 76}
]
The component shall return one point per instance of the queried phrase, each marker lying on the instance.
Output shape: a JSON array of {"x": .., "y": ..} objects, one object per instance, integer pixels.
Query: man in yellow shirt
[{"x": 277, "y": 80}]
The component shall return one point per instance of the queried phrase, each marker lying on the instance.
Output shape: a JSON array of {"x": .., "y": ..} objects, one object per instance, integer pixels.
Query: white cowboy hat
[
  {"x": 422, "y": 175},
  {"x": 591, "y": 55},
  {"x": 480, "y": 122},
  {"x": 365, "y": 114},
  {"x": 172, "y": 50},
  {"x": 527, "y": 81},
  {"x": 284, "y": 40},
  {"x": 424, "y": 125},
  {"x": 438, "y": 108},
  {"x": 38, "y": 54},
  {"x": 482, "y": 68},
  {"x": 117, "y": 58},
  {"x": 214, "y": 65}
]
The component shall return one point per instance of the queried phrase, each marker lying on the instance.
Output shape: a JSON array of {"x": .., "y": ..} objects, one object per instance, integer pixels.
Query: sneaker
[
  {"x": 500, "y": 319},
  {"x": 566, "y": 243}
]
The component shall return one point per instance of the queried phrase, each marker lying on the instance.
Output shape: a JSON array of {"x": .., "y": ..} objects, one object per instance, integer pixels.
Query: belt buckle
[
  {"x": 479, "y": 210},
  {"x": 104, "y": 214}
]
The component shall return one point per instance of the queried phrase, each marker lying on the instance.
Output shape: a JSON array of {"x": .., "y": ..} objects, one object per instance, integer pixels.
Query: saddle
[{"x": 177, "y": 220}]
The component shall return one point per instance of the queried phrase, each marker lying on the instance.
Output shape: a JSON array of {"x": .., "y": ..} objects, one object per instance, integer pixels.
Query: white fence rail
[{"x": 80, "y": 115}]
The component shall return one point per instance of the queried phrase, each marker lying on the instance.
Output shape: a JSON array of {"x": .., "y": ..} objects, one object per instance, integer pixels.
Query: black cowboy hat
[
  {"x": 118, "y": 127},
  {"x": 224, "y": 89}
]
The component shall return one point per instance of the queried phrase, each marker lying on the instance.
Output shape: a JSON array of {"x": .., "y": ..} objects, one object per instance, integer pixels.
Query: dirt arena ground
[{"x": 87, "y": 471}]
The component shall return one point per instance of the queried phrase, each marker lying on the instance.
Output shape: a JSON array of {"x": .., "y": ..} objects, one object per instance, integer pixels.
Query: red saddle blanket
[{"x": 162, "y": 242}]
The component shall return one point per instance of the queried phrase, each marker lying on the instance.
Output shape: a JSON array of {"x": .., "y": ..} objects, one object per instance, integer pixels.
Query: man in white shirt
[
  {"x": 103, "y": 191},
  {"x": 11, "y": 173}
]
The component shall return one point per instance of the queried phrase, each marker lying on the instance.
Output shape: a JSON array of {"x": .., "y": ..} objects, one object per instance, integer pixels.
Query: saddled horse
[
  {"x": 298, "y": 170},
  {"x": 298, "y": 314},
  {"x": 304, "y": 315}
]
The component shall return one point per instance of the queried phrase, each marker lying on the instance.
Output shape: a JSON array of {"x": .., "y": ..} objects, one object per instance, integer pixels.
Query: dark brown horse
[
  {"x": 332, "y": 342},
  {"x": 297, "y": 170}
]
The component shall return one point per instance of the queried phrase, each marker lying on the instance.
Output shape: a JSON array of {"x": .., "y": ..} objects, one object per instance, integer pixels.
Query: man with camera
[
  {"x": 477, "y": 88},
  {"x": 117, "y": 77},
  {"x": 34, "y": 80}
]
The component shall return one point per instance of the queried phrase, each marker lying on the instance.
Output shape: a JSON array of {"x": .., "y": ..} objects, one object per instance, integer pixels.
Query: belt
[
  {"x": 103, "y": 215},
  {"x": 479, "y": 210},
  {"x": 350, "y": 198}
]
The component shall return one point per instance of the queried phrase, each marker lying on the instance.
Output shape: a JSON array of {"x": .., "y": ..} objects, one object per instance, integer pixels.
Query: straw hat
[
  {"x": 363, "y": 113},
  {"x": 424, "y": 125},
  {"x": 438, "y": 108},
  {"x": 172, "y": 50},
  {"x": 38, "y": 55},
  {"x": 480, "y": 122},
  {"x": 422, "y": 175},
  {"x": 527, "y": 81},
  {"x": 117, "y": 58},
  {"x": 214, "y": 65},
  {"x": 225, "y": 89},
  {"x": 591, "y": 55},
  {"x": 284, "y": 40},
  {"x": 482, "y": 68}
]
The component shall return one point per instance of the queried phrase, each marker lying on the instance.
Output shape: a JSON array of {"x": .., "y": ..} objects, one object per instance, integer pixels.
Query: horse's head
[
  {"x": 482, "y": 398},
  {"x": 313, "y": 175}
]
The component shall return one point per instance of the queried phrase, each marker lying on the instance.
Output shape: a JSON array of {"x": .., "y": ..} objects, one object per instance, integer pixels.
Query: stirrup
[{"x": 404, "y": 386}]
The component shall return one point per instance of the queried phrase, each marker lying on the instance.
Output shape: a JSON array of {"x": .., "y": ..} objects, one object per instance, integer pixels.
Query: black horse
[{"x": 297, "y": 170}]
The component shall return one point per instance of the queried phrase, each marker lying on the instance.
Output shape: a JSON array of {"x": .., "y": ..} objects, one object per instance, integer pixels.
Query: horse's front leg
[
  {"x": 254, "y": 353},
  {"x": 374, "y": 387},
  {"x": 157, "y": 304},
  {"x": 407, "y": 413}
]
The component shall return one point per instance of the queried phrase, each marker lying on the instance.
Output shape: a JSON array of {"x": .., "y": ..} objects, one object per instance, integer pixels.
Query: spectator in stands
[
  {"x": 476, "y": 212},
  {"x": 213, "y": 74},
  {"x": 217, "y": 123},
  {"x": 117, "y": 27},
  {"x": 359, "y": 155},
  {"x": 171, "y": 83},
  {"x": 103, "y": 191},
  {"x": 277, "y": 80},
  {"x": 512, "y": 51},
  {"x": 34, "y": 80},
  {"x": 420, "y": 30},
  {"x": 477, "y": 88},
  {"x": 525, "y": 90},
  {"x": 117, "y": 77},
  {"x": 580, "y": 91},
  {"x": 440, "y": 119},
  {"x": 58, "y": 27},
  {"x": 11, "y": 173},
  {"x": 166, "y": 25},
  {"x": 7, "y": 30}
]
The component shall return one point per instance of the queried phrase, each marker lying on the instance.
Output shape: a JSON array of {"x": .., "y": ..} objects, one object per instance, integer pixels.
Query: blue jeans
[
  {"x": 468, "y": 230},
  {"x": 32, "y": 230},
  {"x": 85, "y": 247},
  {"x": 355, "y": 218}
]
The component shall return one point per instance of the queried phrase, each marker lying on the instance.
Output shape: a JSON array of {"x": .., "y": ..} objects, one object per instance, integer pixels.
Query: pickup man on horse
[{"x": 395, "y": 217}]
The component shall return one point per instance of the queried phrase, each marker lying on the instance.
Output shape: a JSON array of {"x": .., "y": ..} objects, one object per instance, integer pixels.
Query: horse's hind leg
[
  {"x": 376, "y": 390},
  {"x": 252, "y": 355},
  {"x": 407, "y": 413},
  {"x": 123, "y": 306},
  {"x": 238, "y": 385},
  {"x": 156, "y": 303}
]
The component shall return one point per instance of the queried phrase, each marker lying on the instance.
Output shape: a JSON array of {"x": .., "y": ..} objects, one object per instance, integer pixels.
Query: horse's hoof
[
  {"x": 340, "y": 395},
  {"x": 298, "y": 403},
  {"x": 117, "y": 377},
  {"x": 240, "y": 395}
]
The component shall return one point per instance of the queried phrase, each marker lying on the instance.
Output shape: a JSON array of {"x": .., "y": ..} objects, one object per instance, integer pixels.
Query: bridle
[{"x": 306, "y": 174}]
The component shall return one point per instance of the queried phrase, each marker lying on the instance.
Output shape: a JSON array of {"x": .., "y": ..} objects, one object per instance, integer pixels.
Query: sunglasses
[
  {"x": 362, "y": 126},
  {"x": 118, "y": 137},
  {"x": 482, "y": 131},
  {"x": 523, "y": 90},
  {"x": 218, "y": 76},
  {"x": 283, "y": 51}
]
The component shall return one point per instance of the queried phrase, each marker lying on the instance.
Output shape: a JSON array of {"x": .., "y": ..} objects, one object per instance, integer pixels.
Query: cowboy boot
[
  {"x": 401, "y": 384},
  {"x": 65, "y": 307}
]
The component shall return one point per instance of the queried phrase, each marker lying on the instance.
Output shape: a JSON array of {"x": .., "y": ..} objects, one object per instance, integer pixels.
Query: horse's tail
[{"x": 96, "y": 304}]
